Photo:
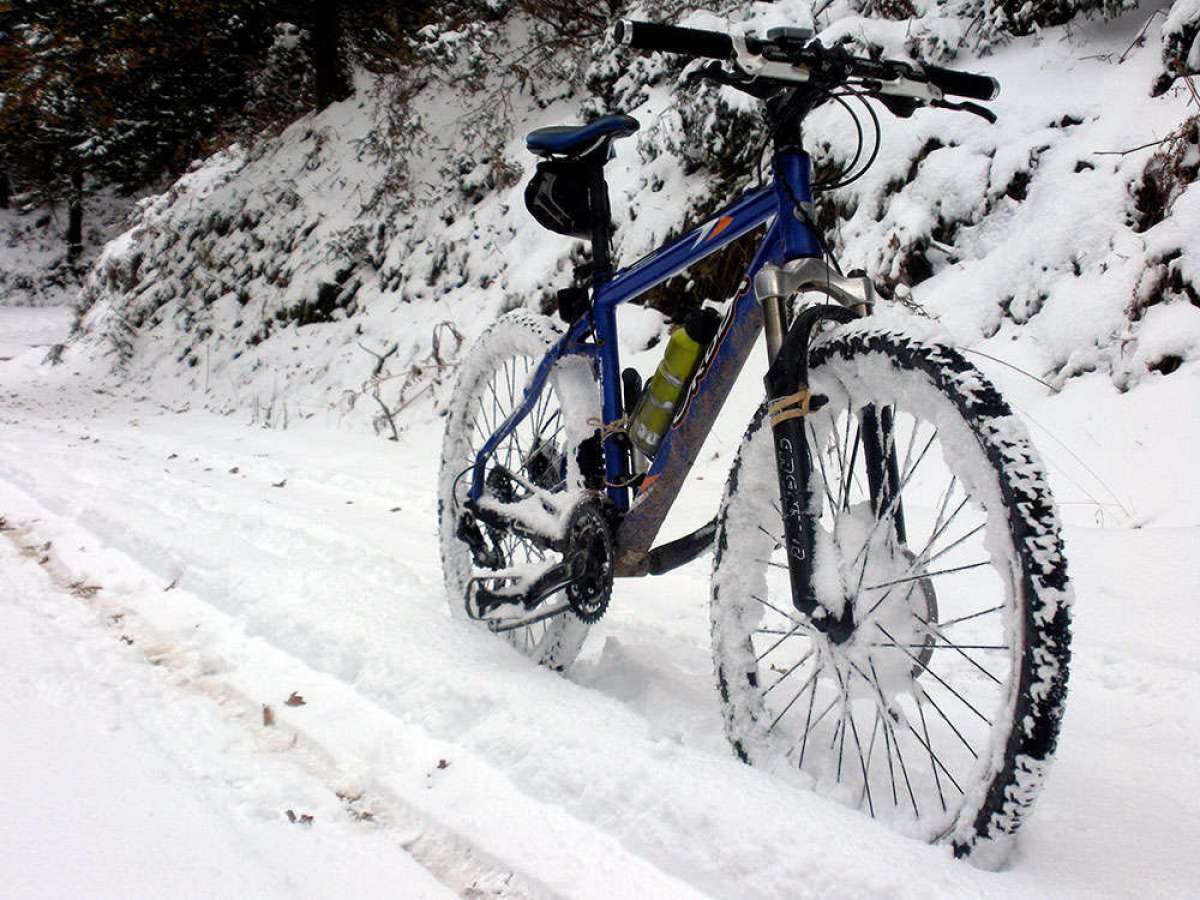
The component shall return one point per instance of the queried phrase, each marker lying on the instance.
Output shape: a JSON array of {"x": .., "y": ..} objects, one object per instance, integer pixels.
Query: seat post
[{"x": 601, "y": 224}]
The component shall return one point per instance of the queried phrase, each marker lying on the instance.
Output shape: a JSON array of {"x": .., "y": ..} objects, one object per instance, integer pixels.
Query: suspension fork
[
  {"x": 789, "y": 402},
  {"x": 883, "y": 472}
]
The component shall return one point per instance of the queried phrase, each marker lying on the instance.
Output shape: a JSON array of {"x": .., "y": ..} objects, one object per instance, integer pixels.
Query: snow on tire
[
  {"x": 490, "y": 386},
  {"x": 940, "y": 713}
]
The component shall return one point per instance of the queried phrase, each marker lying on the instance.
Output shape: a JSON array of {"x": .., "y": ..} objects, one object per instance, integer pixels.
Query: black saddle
[{"x": 579, "y": 140}]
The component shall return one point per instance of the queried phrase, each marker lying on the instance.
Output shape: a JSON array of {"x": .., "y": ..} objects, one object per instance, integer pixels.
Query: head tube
[{"x": 793, "y": 189}]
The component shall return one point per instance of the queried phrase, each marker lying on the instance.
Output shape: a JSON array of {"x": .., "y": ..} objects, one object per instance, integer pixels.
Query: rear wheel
[
  {"x": 939, "y": 714},
  {"x": 539, "y": 452}
]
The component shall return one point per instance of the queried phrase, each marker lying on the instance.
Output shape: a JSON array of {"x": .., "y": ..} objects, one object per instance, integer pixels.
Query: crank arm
[
  {"x": 499, "y": 626},
  {"x": 524, "y": 593}
]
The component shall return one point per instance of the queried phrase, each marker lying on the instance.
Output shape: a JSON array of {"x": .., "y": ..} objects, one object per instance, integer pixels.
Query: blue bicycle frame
[{"x": 788, "y": 237}]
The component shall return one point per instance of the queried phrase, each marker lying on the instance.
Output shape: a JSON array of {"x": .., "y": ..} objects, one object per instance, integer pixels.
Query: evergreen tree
[{"x": 120, "y": 92}]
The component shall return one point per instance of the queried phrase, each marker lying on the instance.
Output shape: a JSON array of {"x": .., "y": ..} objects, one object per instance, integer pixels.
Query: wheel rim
[{"x": 904, "y": 718}]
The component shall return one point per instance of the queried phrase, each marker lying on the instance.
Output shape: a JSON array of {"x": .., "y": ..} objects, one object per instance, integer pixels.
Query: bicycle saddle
[{"x": 577, "y": 140}]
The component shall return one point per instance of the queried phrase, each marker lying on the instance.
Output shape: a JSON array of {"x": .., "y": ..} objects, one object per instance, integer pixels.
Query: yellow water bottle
[{"x": 656, "y": 407}]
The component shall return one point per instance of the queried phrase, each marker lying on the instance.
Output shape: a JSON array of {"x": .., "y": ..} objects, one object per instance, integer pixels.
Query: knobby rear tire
[{"x": 490, "y": 384}]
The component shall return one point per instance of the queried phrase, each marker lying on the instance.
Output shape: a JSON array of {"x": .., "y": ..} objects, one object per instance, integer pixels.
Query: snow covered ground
[
  {"x": 27, "y": 326},
  {"x": 167, "y": 575}
]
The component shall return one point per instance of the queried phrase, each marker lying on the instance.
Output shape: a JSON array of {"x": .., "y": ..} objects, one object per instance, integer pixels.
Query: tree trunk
[
  {"x": 75, "y": 213},
  {"x": 4, "y": 189},
  {"x": 332, "y": 83}
]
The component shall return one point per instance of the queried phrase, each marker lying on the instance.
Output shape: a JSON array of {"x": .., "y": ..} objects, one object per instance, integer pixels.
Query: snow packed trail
[{"x": 166, "y": 573}]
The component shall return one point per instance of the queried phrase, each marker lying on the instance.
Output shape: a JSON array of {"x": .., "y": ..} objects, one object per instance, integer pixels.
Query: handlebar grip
[
  {"x": 673, "y": 39},
  {"x": 963, "y": 84}
]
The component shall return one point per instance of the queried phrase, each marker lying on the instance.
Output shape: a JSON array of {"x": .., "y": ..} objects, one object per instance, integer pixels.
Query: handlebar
[
  {"x": 963, "y": 84},
  {"x": 765, "y": 59},
  {"x": 673, "y": 39}
]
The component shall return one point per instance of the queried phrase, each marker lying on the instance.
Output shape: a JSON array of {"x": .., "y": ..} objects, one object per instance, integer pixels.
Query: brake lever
[
  {"x": 717, "y": 72},
  {"x": 901, "y": 107},
  {"x": 966, "y": 106},
  {"x": 702, "y": 72}
]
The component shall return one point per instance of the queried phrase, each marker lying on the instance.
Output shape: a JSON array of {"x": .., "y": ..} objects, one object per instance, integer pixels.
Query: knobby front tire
[{"x": 940, "y": 713}]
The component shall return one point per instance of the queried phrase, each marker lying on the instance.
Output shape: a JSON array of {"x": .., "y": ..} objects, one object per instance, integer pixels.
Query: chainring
[{"x": 589, "y": 554}]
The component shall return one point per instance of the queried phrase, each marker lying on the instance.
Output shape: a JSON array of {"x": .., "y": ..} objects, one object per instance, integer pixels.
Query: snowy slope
[{"x": 269, "y": 280}]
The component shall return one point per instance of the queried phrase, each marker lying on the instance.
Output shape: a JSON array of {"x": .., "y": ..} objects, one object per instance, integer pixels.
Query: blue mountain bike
[{"x": 890, "y": 605}]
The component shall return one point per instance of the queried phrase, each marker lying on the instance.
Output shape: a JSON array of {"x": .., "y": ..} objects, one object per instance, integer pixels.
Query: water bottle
[{"x": 652, "y": 416}]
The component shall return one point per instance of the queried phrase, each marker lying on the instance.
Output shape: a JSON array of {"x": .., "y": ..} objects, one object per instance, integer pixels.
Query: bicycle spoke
[
  {"x": 923, "y": 575},
  {"x": 936, "y": 646},
  {"x": 904, "y": 770},
  {"x": 933, "y": 768},
  {"x": 912, "y": 442},
  {"x": 894, "y": 500},
  {"x": 770, "y": 605},
  {"x": 887, "y": 743},
  {"x": 937, "y": 522},
  {"x": 843, "y": 458},
  {"x": 953, "y": 727},
  {"x": 918, "y": 561},
  {"x": 778, "y": 541},
  {"x": 848, "y": 713},
  {"x": 966, "y": 537},
  {"x": 937, "y": 760},
  {"x": 795, "y": 629},
  {"x": 813, "y": 723},
  {"x": 780, "y": 679},
  {"x": 931, "y": 630},
  {"x": 836, "y": 445},
  {"x": 848, "y": 481},
  {"x": 491, "y": 429},
  {"x": 870, "y": 756},
  {"x": 812, "y": 680},
  {"x": 974, "y": 615},
  {"x": 498, "y": 417},
  {"x": 821, "y": 466},
  {"x": 889, "y": 727},
  {"x": 935, "y": 675}
]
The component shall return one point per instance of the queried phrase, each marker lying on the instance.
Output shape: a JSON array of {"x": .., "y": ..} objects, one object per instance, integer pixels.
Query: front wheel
[{"x": 940, "y": 712}]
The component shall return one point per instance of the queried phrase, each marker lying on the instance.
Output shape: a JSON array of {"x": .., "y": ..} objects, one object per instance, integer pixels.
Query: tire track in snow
[{"x": 451, "y": 858}]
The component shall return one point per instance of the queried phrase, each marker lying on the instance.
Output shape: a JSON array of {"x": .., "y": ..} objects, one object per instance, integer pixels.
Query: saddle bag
[{"x": 559, "y": 197}]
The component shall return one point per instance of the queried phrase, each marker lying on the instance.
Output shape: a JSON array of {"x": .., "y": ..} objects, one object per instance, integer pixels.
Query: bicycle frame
[{"x": 788, "y": 237}]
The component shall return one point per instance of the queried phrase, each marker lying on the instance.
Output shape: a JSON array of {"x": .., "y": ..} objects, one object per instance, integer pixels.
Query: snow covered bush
[{"x": 1180, "y": 46}]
